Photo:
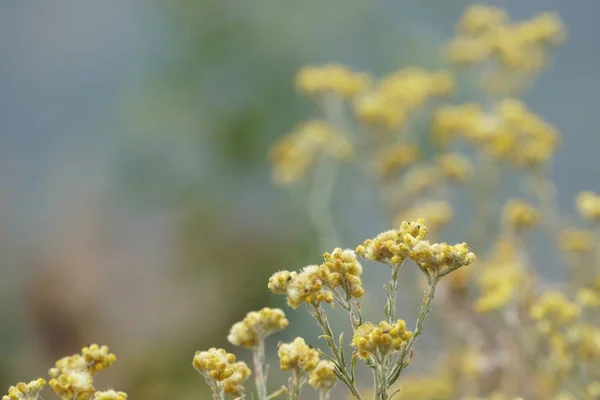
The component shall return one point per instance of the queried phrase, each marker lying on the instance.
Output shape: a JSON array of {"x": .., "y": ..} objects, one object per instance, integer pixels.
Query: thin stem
[
  {"x": 390, "y": 313},
  {"x": 321, "y": 318},
  {"x": 258, "y": 357},
  {"x": 219, "y": 394},
  {"x": 323, "y": 394},
  {"x": 404, "y": 359},
  {"x": 294, "y": 386}
]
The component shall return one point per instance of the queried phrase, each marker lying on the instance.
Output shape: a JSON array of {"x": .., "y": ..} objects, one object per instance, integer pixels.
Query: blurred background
[{"x": 136, "y": 206}]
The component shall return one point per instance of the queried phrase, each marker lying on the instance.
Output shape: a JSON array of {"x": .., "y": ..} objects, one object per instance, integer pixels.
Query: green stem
[
  {"x": 258, "y": 357},
  {"x": 294, "y": 386},
  {"x": 324, "y": 395},
  {"x": 403, "y": 360},
  {"x": 321, "y": 317}
]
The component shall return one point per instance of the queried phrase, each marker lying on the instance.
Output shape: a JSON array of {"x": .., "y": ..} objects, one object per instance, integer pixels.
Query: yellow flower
[
  {"x": 297, "y": 356},
  {"x": 588, "y": 206},
  {"x": 574, "y": 240},
  {"x": 73, "y": 385},
  {"x": 97, "y": 357},
  {"x": 308, "y": 285},
  {"x": 519, "y": 215},
  {"x": 25, "y": 391},
  {"x": 394, "y": 245},
  {"x": 344, "y": 270},
  {"x": 395, "y": 158},
  {"x": 234, "y": 383},
  {"x": 331, "y": 78},
  {"x": 110, "y": 395},
  {"x": 455, "y": 167},
  {"x": 323, "y": 377},
  {"x": 380, "y": 340},
  {"x": 256, "y": 326},
  {"x": 587, "y": 297},
  {"x": 214, "y": 363},
  {"x": 554, "y": 307},
  {"x": 294, "y": 154}
]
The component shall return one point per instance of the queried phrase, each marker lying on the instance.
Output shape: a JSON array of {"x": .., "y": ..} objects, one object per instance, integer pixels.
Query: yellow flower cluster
[
  {"x": 576, "y": 241},
  {"x": 519, "y": 215},
  {"x": 340, "y": 269},
  {"x": 73, "y": 386},
  {"x": 294, "y": 154},
  {"x": 72, "y": 376},
  {"x": 553, "y": 308},
  {"x": 395, "y": 245},
  {"x": 323, "y": 377},
  {"x": 380, "y": 340},
  {"x": 437, "y": 213},
  {"x": 110, "y": 395},
  {"x": 390, "y": 102},
  {"x": 419, "y": 179},
  {"x": 588, "y": 206},
  {"x": 394, "y": 158},
  {"x": 455, "y": 167},
  {"x": 97, "y": 357},
  {"x": 331, "y": 78},
  {"x": 588, "y": 297},
  {"x": 510, "y": 132},
  {"x": 297, "y": 356},
  {"x": 344, "y": 271},
  {"x": 25, "y": 391},
  {"x": 256, "y": 326},
  {"x": 502, "y": 278},
  {"x": 220, "y": 367},
  {"x": 484, "y": 34}
]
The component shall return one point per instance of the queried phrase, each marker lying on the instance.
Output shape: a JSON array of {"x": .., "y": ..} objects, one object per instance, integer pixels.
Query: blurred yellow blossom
[{"x": 331, "y": 78}]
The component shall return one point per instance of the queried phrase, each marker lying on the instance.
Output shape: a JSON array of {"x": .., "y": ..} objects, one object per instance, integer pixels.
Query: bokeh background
[{"x": 136, "y": 206}]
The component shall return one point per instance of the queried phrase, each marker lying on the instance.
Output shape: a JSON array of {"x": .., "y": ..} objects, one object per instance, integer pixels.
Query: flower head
[
  {"x": 380, "y": 340},
  {"x": 297, "y": 356},
  {"x": 256, "y": 326}
]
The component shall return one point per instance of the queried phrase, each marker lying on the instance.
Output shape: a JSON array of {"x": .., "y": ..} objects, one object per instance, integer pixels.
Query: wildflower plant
[{"x": 507, "y": 333}]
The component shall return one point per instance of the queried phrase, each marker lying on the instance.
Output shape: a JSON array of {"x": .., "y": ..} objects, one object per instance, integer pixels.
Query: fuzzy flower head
[
  {"x": 331, "y": 78},
  {"x": 73, "y": 385},
  {"x": 553, "y": 309},
  {"x": 293, "y": 155},
  {"x": 214, "y": 363},
  {"x": 297, "y": 356},
  {"x": 389, "y": 104},
  {"x": 25, "y": 391},
  {"x": 279, "y": 281},
  {"x": 455, "y": 167},
  {"x": 256, "y": 326},
  {"x": 97, "y": 357},
  {"x": 110, "y": 395},
  {"x": 68, "y": 364},
  {"x": 394, "y": 245},
  {"x": 503, "y": 278},
  {"x": 380, "y": 340},
  {"x": 519, "y": 215},
  {"x": 234, "y": 384},
  {"x": 323, "y": 377},
  {"x": 439, "y": 259},
  {"x": 344, "y": 270},
  {"x": 588, "y": 206},
  {"x": 305, "y": 287},
  {"x": 393, "y": 159},
  {"x": 576, "y": 241}
]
